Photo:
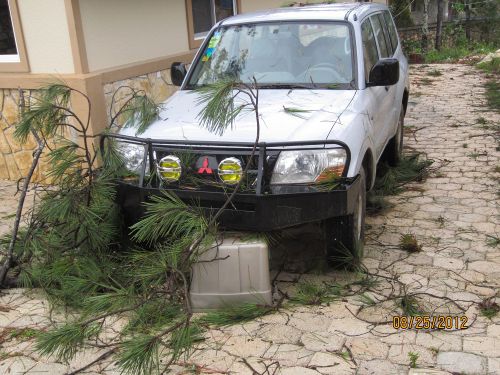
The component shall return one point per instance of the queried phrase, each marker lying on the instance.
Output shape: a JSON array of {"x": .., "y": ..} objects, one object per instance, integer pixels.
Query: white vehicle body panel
[{"x": 355, "y": 117}]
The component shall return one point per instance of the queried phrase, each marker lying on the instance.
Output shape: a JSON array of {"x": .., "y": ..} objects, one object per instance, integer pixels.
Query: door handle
[{"x": 386, "y": 88}]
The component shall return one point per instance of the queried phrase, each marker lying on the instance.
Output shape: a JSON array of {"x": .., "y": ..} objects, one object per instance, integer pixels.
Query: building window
[
  {"x": 203, "y": 14},
  {"x": 8, "y": 47},
  {"x": 12, "y": 50}
]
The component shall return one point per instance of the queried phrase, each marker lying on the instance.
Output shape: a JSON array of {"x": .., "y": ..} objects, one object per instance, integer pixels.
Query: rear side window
[
  {"x": 370, "y": 54},
  {"x": 379, "y": 34},
  {"x": 392, "y": 30},
  {"x": 390, "y": 48}
]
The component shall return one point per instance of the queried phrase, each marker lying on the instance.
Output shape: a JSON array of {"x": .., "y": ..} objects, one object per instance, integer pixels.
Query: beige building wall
[
  {"x": 46, "y": 36},
  {"x": 119, "y": 32},
  {"x": 254, "y": 5}
]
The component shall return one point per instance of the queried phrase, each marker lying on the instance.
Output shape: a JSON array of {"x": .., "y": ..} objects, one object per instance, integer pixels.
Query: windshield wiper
[{"x": 285, "y": 86}]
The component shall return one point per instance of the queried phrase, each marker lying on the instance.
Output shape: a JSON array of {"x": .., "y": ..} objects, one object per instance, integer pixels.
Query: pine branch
[{"x": 10, "y": 252}]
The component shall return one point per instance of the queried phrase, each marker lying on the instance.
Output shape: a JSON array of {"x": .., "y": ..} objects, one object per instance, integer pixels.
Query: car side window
[
  {"x": 379, "y": 34},
  {"x": 370, "y": 53},
  {"x": 392, "y": 30},
  {"x": 390, "y": 48}
]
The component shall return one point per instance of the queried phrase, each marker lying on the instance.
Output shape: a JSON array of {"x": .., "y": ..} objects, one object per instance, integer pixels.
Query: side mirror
[
  {"x": 384, "y": 73},
  {"x": 178, "y": 72}
]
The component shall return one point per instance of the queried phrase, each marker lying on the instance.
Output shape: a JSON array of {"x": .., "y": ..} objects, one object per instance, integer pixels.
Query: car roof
[{"x": 322, "y": 12}]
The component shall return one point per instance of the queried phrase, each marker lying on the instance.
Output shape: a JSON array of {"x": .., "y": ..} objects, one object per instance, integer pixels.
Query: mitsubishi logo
[{"x": 206, "y": 165}]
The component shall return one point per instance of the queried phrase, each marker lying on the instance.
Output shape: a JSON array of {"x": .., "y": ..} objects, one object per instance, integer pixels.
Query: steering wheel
[{"x": 326, "y": 67}]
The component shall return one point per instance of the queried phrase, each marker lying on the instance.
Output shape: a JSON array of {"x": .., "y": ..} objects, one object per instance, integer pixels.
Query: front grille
[{"x": 199, "y": 167}]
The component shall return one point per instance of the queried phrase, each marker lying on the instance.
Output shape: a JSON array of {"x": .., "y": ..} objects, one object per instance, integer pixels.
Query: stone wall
[
  {"x": 15, "y": 159},
  {"x": 157, "y": 85}
]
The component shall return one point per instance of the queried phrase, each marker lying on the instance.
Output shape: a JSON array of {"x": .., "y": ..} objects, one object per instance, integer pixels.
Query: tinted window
[
  {"x": 392, "y": 30},
  {"x": 370, "y": 54},
  {"x": 386, "y": 34},
  {"x": 207, "y": 12},
  {"x": 7, "y": 40},
  {"x": 379, "y": 34}
]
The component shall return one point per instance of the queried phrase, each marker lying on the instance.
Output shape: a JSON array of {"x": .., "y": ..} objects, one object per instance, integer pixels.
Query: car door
[
  {"x": 376, "y": 103},
  {"x": 386, "y": 50}
]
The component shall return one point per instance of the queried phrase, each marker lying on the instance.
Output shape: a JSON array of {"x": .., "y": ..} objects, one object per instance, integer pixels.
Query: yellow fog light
[
  {"x": 230, "y": 171},
  {"x": 169, "y": 168}
]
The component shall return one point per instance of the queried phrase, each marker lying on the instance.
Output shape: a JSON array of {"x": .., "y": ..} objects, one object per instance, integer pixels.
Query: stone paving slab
[{"x": 452, "y": 214}]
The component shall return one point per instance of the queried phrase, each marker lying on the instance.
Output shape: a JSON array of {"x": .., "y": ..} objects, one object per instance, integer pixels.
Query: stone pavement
[{"x": 454, "y": 216}]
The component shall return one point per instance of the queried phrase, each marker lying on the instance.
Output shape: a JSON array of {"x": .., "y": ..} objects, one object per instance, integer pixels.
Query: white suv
[{"x": 333, "y": 89}]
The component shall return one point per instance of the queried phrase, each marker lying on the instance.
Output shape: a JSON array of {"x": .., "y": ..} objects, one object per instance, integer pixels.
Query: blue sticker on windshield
[{"x": 214, "y": 40}]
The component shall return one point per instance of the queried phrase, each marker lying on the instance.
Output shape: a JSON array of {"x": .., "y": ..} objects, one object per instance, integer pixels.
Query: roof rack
[{"x": 352, "y": 9}]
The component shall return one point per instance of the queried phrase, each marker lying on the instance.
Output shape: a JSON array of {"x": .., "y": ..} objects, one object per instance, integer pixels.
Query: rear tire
[
  {"x": 344, "y": 235},
  {"x": 395, "y": 146}
]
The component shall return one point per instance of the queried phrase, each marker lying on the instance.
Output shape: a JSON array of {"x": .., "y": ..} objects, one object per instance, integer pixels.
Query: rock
[
  {"x": 322, "y": 341},
  {"x": 487, "y": 346},
  {"x": 298, "y": 371},
  {"x": 427, "y": 371},
  {"x": 489, "y": 57},
  {"x": 327, "y": 363},
  {"x": 379, "y": 366},
  {"x": 461, "y": 362}
]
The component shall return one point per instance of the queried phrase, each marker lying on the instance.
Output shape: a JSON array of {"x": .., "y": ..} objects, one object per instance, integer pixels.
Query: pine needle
[
  {"x": 236, "y": 314},
  {"x": 140, "y": 355},
  {"x": 140, "y": 112},
  {"x": 297, "y": 112},
  {"x": 64, "y": 342},
  {"x": 220, "y": 106},
  {"x": 167, "y": 216}
]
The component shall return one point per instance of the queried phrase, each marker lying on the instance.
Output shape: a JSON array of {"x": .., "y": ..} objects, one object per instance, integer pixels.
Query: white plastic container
[{"x": 239, "y": 274}]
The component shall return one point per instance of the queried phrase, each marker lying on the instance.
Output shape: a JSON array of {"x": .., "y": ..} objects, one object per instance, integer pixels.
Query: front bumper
[
  {"x": 250, "y": 212},
  {"x": 264, "y": 209}
]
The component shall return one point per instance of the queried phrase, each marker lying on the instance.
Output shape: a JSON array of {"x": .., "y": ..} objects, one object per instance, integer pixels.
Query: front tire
[
  {"x": 395, "y": 146},
  {"x": 345, "y": 235}
]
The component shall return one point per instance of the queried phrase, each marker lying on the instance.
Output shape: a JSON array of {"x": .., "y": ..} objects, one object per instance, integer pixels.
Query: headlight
[
  {"x": 169, "y": 168},
  {"x": 132, "y": 155},
  {"x": 308, "y": 166},
  {"x": 230, "y": 171}
]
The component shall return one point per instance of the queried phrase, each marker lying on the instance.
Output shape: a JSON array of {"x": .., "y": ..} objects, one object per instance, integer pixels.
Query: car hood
[{"x": 286, "y": 115}]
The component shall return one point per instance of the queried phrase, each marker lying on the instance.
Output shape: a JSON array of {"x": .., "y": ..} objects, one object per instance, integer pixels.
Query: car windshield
[{"x": 278, "y": 55}]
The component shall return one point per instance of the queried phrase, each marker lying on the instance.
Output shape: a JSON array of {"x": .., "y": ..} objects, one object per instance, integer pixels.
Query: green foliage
[
  {"x": 410, "y": 306},
  {"x": 235, "y": 314},
  {"x": 49, "y": 114},
  {"x": 64, "y": 342},
  {"x": 140, "y": 355},
  {"x": 182, "y": 340},
  {"x": 168, "y": 216},
  {"x": 390, "y": 181},
  {"x": 221, "y": 106},
  {"x": 492, "y": 66},
  {"x": 413, "y": 357},
  {"x": 296, "y": 112},
  {"x": 400, "y": 10},
  {"x": 492, "y": 241},
  {"x": 347, "y": 259},
  {"x": 493, "y": 94},
  {"x": 457, "y": 52},
  {"x": 310, "y": 293},
  {"x": 408, "y": 242},
  {"x": 152, "y": 315},
  {"x": 489, "y": 308},
  {"x": 23, "y": 333},
  {"x": 140, "y": 112},
  {"x": 77, "y": 250}
]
